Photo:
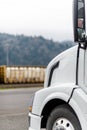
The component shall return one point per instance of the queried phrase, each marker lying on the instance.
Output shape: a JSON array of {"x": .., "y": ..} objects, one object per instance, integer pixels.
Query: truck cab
[{"x": 62, "y": 103}]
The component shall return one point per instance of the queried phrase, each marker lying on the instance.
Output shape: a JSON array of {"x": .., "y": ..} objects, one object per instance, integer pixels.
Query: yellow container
[
  {"x": 22, "y": 74},
  {"x": 3, "y": 74}
]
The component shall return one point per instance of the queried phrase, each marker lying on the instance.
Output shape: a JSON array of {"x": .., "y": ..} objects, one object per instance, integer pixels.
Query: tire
[{"x": 63, "y": 118}]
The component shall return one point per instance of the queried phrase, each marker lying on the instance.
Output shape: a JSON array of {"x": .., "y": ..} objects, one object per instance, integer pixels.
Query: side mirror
[{"x": 79, "y": 20}]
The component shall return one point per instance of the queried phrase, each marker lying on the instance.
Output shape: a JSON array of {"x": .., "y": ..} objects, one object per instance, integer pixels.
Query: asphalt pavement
[{"x": 14, "y": 108}]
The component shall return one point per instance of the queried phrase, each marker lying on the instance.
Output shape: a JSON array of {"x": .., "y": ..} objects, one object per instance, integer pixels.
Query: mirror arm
[
  {"x": 83, "y": 45},
  {"x": 86, "y": 40}
]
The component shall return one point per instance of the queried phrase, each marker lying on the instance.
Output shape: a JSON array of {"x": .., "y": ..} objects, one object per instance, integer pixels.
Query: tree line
[{"x": 28, "y": 50}]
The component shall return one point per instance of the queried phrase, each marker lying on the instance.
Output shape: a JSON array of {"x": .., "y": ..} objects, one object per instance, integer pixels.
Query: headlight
[{"x": 31, "y": 102}]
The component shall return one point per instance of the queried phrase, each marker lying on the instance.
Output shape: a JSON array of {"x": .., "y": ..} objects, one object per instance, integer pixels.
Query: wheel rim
[{"x": 62, "y": 124}]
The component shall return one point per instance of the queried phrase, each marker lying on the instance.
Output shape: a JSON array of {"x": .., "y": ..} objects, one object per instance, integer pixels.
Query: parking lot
[{"x": 14, "y": 108}]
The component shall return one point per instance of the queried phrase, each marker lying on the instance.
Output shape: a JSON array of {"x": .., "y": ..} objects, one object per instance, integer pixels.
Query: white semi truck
[{"x": 62, "y": 104}]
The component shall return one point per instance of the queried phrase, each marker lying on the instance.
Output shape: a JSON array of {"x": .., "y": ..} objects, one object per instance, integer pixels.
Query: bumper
[{"x": 34, "y": 122}]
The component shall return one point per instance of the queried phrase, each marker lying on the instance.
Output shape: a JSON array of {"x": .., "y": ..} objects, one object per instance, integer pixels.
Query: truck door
[
  {"x": 82, "y": 68},
  {"x": 85, "y": 71}
]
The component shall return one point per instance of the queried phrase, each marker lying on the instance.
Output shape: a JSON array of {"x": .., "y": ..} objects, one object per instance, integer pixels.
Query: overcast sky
[{"x": 49, "y": 18}]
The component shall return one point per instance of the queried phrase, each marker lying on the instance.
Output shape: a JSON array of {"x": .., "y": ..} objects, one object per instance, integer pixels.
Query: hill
[{"x": 24, "y": 50}]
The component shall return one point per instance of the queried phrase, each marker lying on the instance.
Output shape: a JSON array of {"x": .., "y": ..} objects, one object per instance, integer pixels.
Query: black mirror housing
[{"x": 79, "y": 20}]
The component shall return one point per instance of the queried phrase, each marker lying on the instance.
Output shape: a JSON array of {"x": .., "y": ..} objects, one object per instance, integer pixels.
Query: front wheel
[{"x": 63, "y": 118}]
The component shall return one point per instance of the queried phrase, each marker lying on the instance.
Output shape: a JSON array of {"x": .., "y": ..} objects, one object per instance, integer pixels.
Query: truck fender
[{"x": 57, "y": 95}]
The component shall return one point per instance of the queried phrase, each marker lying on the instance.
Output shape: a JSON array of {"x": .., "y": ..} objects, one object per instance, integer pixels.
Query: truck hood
[{"x": 66, "y": 70}]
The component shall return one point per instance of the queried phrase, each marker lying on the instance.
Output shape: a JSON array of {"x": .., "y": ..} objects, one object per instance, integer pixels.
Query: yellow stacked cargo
[
  {"x": 3, "y": 74},
  {"x": 41, "y": 75},
  {"x": 8, "y": 74},
  {"x": 37, "y": 74},
  {"x": 22, "y": 74}
]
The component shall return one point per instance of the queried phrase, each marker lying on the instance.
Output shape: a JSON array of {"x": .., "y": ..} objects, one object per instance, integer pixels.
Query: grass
[{"x": 14, "y": 86}]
